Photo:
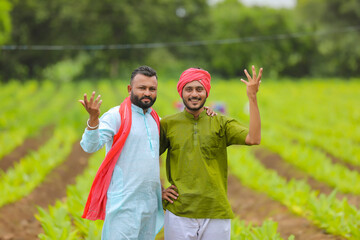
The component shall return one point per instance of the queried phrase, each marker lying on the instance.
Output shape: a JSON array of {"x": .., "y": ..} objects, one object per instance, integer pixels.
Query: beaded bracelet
[{"x": 90, "y": 126}]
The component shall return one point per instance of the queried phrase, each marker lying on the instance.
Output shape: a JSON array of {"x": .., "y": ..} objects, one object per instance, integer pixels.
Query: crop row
[
  {"x": 335, "y": 216},
  {"x": 31, "y": 115},
  {"x": 301, "y": 147},
  {"x": 15, "y": 93},
  {"x": 26, "y": 174}
]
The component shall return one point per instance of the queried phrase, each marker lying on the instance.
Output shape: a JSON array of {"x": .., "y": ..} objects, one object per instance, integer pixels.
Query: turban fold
[{"x": 194, "y": 74}]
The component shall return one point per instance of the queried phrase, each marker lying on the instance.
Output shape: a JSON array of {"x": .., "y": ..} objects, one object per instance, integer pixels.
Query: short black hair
[{"x": 144, "y": 70}]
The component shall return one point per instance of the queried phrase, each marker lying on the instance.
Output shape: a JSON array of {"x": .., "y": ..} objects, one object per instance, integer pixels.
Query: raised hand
[
  {"x": 252, "y": 86},
  {"x": 93, "y": 108}
]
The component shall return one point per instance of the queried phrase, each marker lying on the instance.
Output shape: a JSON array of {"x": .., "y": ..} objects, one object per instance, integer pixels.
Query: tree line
[{"x": 318, "y": 38}]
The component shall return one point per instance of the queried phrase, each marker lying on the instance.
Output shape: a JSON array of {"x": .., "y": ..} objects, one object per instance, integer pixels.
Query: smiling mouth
[{"x": 194, "y": 100}]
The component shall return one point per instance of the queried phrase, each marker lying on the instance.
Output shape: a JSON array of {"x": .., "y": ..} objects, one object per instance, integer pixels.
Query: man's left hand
[
  {"x": 210, "y": 112},
  {"x": 252, "y": 86}
]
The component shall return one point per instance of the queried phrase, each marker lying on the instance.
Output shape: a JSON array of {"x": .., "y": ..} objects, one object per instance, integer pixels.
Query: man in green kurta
[{"x": 196, "y": 203}]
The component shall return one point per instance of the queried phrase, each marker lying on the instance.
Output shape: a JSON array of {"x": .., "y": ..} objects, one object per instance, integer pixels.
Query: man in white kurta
[{"x": 134, "y": 207}]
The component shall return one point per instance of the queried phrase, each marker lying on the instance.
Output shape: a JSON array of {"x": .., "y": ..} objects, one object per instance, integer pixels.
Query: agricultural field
[{"x": 302, "y": 182}]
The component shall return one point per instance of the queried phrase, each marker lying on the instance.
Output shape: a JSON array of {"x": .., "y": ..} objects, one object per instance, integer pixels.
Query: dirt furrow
[
  {"x": 255, "y": 207},
  {"x": 337, "y": 160},
  {"x": 17, "y": 221},
  {"x": 30, "y": 144},
  {"x": 273, "y": 161}
]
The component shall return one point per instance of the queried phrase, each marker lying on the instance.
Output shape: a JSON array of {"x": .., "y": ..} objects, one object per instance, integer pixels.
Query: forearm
[
  {"x": 90, "y": 141},
  {"x": 94, "y": 140},
  {"x": 254, "y": 136}
]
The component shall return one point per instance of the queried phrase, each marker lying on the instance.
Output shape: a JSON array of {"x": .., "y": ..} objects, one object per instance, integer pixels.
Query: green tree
[
  {"x": 5, "y": 21},
  {"x": 93, "y": 22},
  {"x": 337, "y": 53},
  {"x": 260, "y": 30}
]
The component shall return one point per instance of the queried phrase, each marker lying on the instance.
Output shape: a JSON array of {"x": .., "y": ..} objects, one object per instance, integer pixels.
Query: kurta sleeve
[
  {"x": 164, "y": 142},
  {"x": 235, "y": 132},
  {"x": 93, "y": 140}
]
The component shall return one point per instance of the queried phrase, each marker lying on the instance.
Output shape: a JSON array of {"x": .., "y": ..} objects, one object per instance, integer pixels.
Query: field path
[
  {"x": 256, "y": 207},
  {"x": 17, "y": 220},
  {"x": 336, "y": 160},
  {"x": 30, "y": 144}
]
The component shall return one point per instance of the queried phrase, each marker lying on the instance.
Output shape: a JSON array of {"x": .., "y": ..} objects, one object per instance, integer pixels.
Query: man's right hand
[
  {"x": 170, "y": 194},
  {"x": 93, "y": 108}
]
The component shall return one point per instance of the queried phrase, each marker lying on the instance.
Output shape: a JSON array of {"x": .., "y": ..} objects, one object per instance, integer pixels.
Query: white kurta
[{"x": 134, "y": 206}]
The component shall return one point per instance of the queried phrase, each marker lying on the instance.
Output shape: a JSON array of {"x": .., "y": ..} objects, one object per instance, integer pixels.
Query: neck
[{"x": 195, "y": 113}]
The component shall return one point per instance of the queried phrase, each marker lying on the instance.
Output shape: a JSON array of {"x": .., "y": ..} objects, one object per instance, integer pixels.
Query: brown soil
[
  {"x": 30, "y": 144},
  {"x": 273, "y": 161},
  {"x": 254, "y": 207},
  {"x": 17, "y": 221},
  {"x": 336, "y": 160}
]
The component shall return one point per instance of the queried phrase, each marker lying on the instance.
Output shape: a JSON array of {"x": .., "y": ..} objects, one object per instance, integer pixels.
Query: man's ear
[{"x": 129, "y": 89}]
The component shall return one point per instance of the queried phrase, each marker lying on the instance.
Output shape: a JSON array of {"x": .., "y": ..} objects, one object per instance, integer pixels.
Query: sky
[{"x": 270, "y": 3}]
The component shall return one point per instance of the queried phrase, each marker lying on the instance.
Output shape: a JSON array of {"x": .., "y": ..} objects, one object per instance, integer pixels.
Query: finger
[
  {"x": 247, "y": 75},
  {"x": 244, "y": 81},
  {"x": 173, "y": 192},
  {"x": 260, "y": 74},
  {"x": 173, "y": 187},
  {"x": 168, "y": 199},
  {"x": 210, "y": 112},
  {"x": 97, "y": 99},
  {"x": 82, "y": 102},
  {"x": 254, "y": 72},
  {"x": 92, "y": 98},
  {"x": 85, "y": 100},
  {"x": 99, "y": 104},
  {"x": 172, "y": 196}
]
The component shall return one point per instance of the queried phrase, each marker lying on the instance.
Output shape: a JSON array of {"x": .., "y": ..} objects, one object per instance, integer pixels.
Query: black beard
[
  {"x": 135, "y": 100},
  {"x": 193, "y": 109}
]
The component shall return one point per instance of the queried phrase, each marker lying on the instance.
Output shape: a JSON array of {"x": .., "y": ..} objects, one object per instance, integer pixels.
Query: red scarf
[{"x": 96, "y": 202}]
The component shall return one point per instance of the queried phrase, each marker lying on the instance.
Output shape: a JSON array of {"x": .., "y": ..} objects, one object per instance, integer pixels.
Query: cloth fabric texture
[
  {"x": 196, "y": 162},
  {"x": 194, "y": 74},
  {"x": 133, "y": 207},
  {"x": 182, "y": 228}
]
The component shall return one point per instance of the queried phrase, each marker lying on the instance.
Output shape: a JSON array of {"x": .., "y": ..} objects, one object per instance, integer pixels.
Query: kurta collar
[
  {"x": 139, "y": 109},
  {"x": 190, "y": 116}
]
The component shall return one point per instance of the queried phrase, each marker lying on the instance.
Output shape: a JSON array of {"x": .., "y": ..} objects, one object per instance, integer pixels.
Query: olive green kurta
[{"x": 196, "y": 162}]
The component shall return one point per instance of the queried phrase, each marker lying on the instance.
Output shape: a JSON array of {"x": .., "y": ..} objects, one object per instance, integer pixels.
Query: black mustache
[
  {"x": 146, "y": 98},
  {"x": 194, "y": 98}
]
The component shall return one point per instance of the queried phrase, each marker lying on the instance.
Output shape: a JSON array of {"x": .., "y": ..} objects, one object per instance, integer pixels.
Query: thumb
[{"x": 244, "y": 81}]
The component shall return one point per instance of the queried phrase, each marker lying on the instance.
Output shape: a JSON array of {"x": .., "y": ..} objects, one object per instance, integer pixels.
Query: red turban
[{"x": 194, "y": 74}]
